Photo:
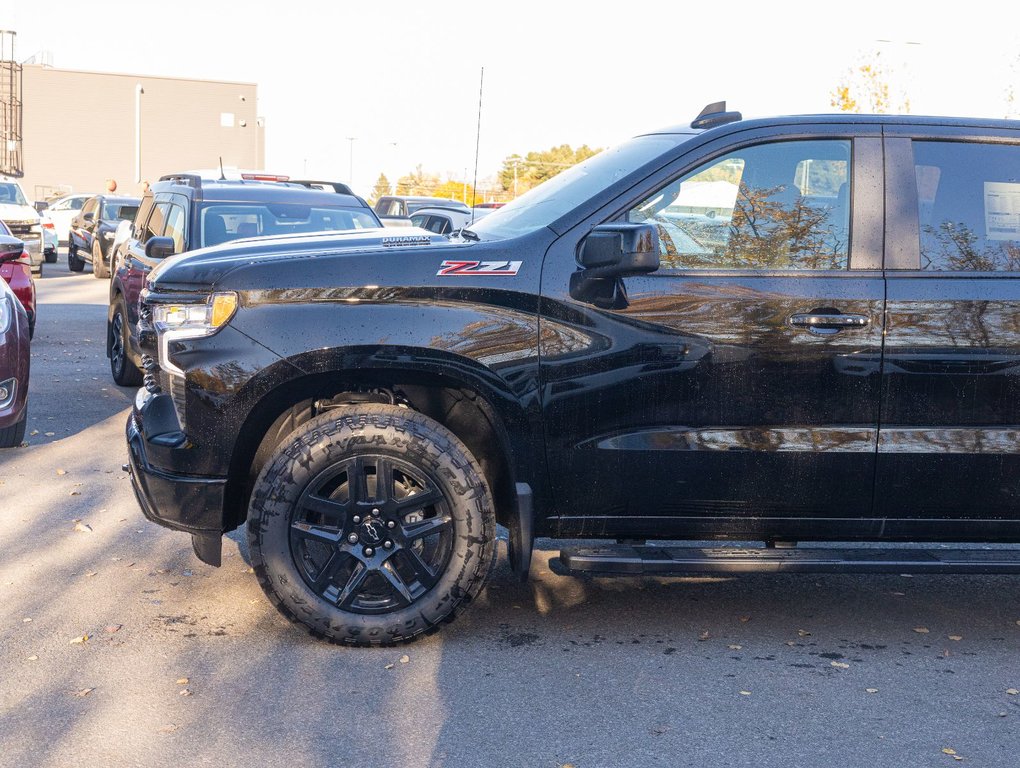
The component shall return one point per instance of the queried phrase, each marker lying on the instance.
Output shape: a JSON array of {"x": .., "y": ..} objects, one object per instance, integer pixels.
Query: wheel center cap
[{"x": 372, "y": 531}]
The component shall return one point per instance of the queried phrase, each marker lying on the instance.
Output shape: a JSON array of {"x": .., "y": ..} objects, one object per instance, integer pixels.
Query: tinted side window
[
  {"x": 968, "y": 206},
  {"x": 772, "y": 206},
  {"x": 140, "y": 218},
  {"x": 90, "y": 206},
  {"x": 157, "y": 220},
  {"x": 175, "y": 227}
]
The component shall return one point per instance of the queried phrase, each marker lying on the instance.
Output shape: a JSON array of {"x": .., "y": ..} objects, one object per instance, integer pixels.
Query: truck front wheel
[{"x": 371, "y": 525}]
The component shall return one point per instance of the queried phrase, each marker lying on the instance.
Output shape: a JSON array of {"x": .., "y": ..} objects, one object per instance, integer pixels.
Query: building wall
[{"x": 79, "y": 129}]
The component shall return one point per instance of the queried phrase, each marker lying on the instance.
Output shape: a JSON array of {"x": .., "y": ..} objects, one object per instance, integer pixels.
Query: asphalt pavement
[{"x": 119, "y": 648}]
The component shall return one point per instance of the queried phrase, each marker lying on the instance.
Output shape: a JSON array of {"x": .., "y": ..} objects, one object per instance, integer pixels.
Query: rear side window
[{"x": 968, "y": 206}]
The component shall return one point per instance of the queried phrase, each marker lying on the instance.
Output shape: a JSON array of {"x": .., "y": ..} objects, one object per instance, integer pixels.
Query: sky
[{"x": 403, "y": 78}]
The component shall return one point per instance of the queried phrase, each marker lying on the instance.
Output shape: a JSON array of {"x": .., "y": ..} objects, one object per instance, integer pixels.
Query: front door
[{"x": 735, "y": 390}]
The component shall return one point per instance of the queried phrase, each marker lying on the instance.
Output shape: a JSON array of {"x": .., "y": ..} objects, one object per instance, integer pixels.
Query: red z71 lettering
[{"x": 454, "y": 267}]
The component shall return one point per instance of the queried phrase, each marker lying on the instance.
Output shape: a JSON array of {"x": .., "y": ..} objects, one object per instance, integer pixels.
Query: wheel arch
[{"x": 492, "y": 424}]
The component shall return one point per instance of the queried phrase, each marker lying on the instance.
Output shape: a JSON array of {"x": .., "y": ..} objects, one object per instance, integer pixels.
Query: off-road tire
[
  {"x": 14, "y": 435},
  {"x": 99, "y": 269},
  {"x": 122, "y": 367},
  {"x": 365, "y": 433},
  {"x": 74, "y": 262}
]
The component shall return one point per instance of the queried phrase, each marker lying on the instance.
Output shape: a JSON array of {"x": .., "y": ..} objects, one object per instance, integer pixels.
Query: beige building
[{"x": 81, "y": 128}]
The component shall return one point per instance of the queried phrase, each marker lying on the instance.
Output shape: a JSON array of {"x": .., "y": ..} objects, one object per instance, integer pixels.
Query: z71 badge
[{"x": 453, "y": 267}]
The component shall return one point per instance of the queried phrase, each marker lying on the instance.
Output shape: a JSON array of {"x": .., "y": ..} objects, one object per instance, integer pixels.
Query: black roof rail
[
  {"x": 187, "y": 179},
  {"x": 337, "y": 186},
  {"x": 715, "y": 114}
]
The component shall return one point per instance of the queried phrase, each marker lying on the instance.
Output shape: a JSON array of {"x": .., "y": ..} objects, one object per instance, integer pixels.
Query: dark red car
[
  {"x": 14, "y": 352},
  {"x": 17, "y": 273}
]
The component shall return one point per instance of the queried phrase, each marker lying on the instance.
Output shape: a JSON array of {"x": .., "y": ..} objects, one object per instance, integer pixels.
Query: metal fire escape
[{"x": 11, "y": 157}]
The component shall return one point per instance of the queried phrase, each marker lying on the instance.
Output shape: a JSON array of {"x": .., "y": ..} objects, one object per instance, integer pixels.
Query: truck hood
[
  {"x": 13, "y": 212},
  {"x": 207, "y": 266}
]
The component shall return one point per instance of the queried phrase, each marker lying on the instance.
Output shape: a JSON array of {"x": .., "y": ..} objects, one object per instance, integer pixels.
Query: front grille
[{"x": 23, "y": 229}]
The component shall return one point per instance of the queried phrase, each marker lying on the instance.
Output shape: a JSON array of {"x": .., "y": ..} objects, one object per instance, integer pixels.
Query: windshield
[
  {"x": 221, "y": 222},
  {"x": 541, "y": 206},
  {"x": 11, "y": 194},
  {"x": 122, "y": 211}
]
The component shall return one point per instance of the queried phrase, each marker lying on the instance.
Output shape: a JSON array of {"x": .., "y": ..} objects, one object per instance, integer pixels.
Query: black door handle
[{"x": 825, "y": 324}]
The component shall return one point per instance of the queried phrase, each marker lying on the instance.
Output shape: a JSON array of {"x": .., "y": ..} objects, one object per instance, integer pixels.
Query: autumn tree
[
  {"x": 865, "y": 88},
  {"x": 382, "y": 187},
  {"x": 417, "y": 183},
  {"x": 519, "y": 174}
]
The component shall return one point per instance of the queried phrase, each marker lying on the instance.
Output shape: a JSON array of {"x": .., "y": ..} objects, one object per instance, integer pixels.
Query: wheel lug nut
[
  {"x": 353, "y": 538},
  {"x": 388, "y": 544},
  {"x": 391, "y": 524},
  {"x": 375, "y": 512},
  {"x": 357, "y": 519},
  {"x": 369, "y": 551}
]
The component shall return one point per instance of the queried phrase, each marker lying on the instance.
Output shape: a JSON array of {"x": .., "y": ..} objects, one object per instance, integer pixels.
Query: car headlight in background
[
  {"x": 6, "y": 313},
  {"x": 175, "y": 322}
]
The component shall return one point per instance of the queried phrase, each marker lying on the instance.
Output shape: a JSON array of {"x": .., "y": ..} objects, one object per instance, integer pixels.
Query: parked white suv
[{"x": 23, "y": 220}]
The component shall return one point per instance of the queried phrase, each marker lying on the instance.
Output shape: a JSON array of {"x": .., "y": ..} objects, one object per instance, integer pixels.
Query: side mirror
[
  {"x": 40, "y": 206},
  {"x": 159, "y": 247},
  {"x": 609, "y": 253},
  {"x": 618, "y": 250},
  {"x": 88, "y": 216},
  {"x": 11, "y": 249}
]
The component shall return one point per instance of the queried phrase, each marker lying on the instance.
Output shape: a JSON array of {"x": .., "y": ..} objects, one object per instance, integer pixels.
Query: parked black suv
[
  {"x": 782, "y": 330},
  {"x": 185, "y": 211},
  {"x": 92, "y": 231}
]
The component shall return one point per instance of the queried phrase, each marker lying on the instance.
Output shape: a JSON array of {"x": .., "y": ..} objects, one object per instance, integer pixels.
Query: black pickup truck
[{"x": 799, "y": 329}]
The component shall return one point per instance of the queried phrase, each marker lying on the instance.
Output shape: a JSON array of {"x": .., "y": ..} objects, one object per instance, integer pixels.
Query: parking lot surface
[{"x": 120, "y": 648}]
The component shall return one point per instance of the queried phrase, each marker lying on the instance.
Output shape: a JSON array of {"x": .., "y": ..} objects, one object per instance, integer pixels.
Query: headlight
[
  {"x": 6, "y": 313},
  {"x": 175, "y": 322}
]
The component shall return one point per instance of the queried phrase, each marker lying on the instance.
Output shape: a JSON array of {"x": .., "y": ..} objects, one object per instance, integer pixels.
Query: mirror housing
[
  {"x": 159, "y": 247},
  {"x": 11, "y": 249},
  {"x": 88, "y": 216},
  {"x": 619, "y": 250}
]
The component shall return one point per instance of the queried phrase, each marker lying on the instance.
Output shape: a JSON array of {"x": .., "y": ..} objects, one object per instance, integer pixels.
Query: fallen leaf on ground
[
  {"x": 80, "y": 640},
  {"x": 1012, "y": 691},
  {"x": 956, "y": 637},
  {"x": 84, "y": 692},
  {"x": 50, "y": 434},
  {"x": 949, "y": 750},
  {"x": 74, "y": 493},
  {"x": 745, "y": 619},
  {"x": 113, "y": 628},
  {"x": 704, "y": 636},
  {"x": 92, "y": 573},
  {"x": 168, "y": 729},
  {"x": 33, "y": 657},
  {"x": 839, "y": 664},
  {"x": 871, "y": 690},
  {"x": 83, "y": 527},
  {"x": 803, "y": 633},
  {"x": 185, "y": 692},
  {"x": 61, "y": 471},
  {"x": 182, "y": 681},
  {"x": 735, "y": 647},
  {"x": 921, "y": 630},
  {"x": 26, "y": 620},
  {"x": 404, "y": 659},
  {"x": 388, "y": 666},
  {"x": 745, "y": 693}
]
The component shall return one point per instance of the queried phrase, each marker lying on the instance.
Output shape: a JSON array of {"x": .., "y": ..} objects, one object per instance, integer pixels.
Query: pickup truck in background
[{"x": 396, "y": 210}]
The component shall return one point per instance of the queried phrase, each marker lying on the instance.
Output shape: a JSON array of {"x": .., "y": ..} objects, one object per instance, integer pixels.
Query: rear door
[
  {"x": 734, "y": 391},
  {"x": 949, "y": 449}
]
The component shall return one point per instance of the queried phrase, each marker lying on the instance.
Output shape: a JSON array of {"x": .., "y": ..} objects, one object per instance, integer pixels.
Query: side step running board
[{"x": 669, "y": 561}]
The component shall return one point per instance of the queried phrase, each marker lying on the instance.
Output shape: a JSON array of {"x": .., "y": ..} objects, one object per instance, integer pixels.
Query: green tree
[
  {"x": 519, "y": 174},
  {"x": 382, "y": 187},
  {"x": 417, "y": 183}
]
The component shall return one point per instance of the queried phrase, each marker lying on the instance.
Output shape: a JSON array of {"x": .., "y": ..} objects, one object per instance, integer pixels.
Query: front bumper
[{"x": 181, "y": 502}]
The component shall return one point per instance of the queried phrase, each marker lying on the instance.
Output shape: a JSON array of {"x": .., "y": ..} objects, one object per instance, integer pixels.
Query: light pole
[
  {"x": 350, "y": 160},
  {"x": 138, "y": 132}
]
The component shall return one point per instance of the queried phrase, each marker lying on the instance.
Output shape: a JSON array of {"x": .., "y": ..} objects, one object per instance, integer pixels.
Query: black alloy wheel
[
  {"x": 124, "y": 371},
  {"x": 372, "y": 525}
]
